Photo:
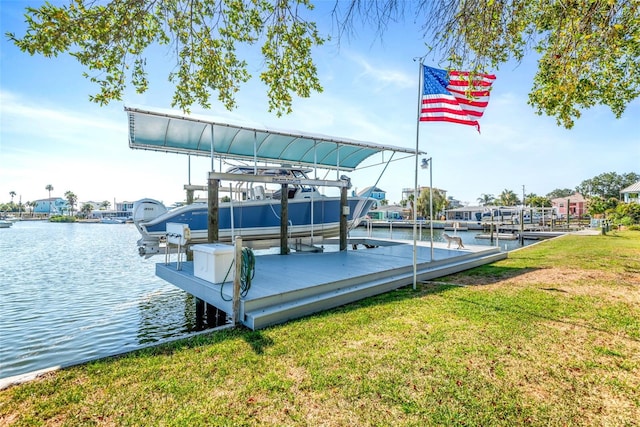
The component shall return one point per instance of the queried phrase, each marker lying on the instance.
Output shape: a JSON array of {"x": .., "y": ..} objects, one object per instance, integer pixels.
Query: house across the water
[
  {"x": 465, "y": 213},
  {"x": 631, "y": 194},
  {"x": 574, "y": 205}
]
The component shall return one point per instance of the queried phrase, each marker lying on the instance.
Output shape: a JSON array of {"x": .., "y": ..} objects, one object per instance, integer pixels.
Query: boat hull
[{"x": 254, "y": 220}]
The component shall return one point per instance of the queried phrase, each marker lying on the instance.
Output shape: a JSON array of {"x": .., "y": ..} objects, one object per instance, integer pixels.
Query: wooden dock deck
[{"x": 299, "y": 284}]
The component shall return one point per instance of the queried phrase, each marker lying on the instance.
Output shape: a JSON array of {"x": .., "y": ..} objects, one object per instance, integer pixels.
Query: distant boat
[
  {"x": 253, "y": 212},
  {"x": 498, "y": 236},
  {"x": 112, "y": 220},
  {"x": 5, "y": 224}
]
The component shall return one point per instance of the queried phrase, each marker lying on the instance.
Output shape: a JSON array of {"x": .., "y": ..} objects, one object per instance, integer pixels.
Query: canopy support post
[
  {"x": 344, "y": 212},
  {"x": 284, "y": 219},
  {"x": 213, "y": 224}
]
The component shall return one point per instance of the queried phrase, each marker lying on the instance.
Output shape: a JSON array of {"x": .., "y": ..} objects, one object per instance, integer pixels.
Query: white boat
[
  {"x": 252, "y": 211},
  {"x": 5, "y": 224},
  {"x": 112, "y": 220}
]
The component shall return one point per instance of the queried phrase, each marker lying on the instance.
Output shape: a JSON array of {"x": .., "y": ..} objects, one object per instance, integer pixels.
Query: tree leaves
[
  {"x": 589, "y": 49},
  {"x": 112, "y": 38},
  {"x": 589, "y": 56},
  {"x": 607, "y": 185}
]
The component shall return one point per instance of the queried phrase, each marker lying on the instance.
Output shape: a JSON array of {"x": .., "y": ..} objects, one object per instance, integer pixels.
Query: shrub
[
  {"x": 62, "y": 218},
  {"x": 626, "y": 214}
]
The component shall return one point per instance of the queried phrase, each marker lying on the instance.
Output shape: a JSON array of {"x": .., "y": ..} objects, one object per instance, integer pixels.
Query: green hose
[{"x": 247, "y": 271}]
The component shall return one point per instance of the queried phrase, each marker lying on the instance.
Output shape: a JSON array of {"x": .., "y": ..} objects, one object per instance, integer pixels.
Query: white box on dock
[{"x": 212, "y": 261}]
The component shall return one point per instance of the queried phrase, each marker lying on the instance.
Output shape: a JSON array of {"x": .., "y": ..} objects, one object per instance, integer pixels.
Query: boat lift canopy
[{"x": 174, "y": 133}]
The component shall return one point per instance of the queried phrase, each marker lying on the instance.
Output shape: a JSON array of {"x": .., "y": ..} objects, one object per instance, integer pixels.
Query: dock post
[
  {"x": 491, "y": 228},
  {"x": 199, "y": 314},
  {"x": 212, "y": 315},
  {"x": 284, "y": 219},
  {"x": 344, "y": 212},
  {"x": 213, "y": 225},
  {"x": 521, "y": 237},
  {"x": 236, "y": 280}
]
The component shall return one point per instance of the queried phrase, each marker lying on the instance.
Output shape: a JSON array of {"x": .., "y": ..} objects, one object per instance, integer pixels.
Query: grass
[{"x": 549, "y": 336}]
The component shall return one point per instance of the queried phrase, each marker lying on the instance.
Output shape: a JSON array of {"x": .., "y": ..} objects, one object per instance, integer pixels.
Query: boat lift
[
  {"x": 214, "y": 184},
  {"x": 207, "y": 137},
  {"x": 173, "y": 133}
]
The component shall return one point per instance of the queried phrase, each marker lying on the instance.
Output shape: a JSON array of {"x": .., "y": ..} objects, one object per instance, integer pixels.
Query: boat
[
  {"x": 497, "y": 236},
  {"x": 252, "y": 211},
  {"x": 5, "y": 224},
  {"x": 112, "y": 220}
]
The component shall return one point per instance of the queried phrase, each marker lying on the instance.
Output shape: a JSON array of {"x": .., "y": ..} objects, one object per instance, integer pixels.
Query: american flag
[{"x": 445, "y": 97}]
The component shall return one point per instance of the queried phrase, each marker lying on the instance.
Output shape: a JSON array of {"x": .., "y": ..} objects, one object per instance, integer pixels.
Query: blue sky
[{"x": 50, "y": 133}]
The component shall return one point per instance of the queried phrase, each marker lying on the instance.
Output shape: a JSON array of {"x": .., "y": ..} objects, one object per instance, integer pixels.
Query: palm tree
[
  {"x": 508, "y": 198},
  {"x": 486, "y": 199},
  {"x": 12, "y": 194},
  {"x": 410, "y": 200},
  {"x": 105, "y": 205},
  {"x": 439, "y": 203},
  {"x": 30, "y": 206},
  {"x": 86, "y": 209},
  {"x": 49, "y": 188},
  {"x": 72, "y": 199}
]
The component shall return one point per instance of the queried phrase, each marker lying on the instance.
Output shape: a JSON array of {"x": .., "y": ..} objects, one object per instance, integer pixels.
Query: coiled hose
[{"x": 247, "y": 271}]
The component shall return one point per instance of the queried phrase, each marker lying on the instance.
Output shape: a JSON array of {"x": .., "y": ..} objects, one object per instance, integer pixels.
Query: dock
[{"x": 290, "y": 286}]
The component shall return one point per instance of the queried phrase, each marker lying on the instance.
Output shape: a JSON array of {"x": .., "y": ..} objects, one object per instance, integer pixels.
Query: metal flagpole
[
  {"x": 415, "y": 181},
  {"x": 431, "y": 205}
]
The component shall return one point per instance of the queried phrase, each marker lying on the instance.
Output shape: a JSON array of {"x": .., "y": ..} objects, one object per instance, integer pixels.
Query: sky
[{"x": 50, "y": 133}]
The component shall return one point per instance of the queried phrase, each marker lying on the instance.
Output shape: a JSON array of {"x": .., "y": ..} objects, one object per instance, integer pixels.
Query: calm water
[{"x": 72, "y": 292}]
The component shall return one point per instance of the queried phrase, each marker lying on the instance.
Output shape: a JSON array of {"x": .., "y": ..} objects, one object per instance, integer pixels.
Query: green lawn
[{"x": 550, "y": 336}]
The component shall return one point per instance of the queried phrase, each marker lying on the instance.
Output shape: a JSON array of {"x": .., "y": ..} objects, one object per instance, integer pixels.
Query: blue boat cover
[{"x": 149, "y": 130}]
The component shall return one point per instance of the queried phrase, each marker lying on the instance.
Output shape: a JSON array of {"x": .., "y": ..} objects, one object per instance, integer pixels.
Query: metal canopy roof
[{"x": 174, "y": 133}]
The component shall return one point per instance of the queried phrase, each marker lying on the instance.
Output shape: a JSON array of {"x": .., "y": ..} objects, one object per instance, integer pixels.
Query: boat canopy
[{"x": 149, "y": 130}]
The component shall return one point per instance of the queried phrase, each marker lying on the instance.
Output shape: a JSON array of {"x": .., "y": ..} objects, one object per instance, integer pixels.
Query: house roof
[
  {"x": 469, "y": 209},
  {"x": 574, "y": 198},
  {"x": 371, "y": 189},
  {"x": 633, "y": 188},
  {"x": 150, "y": 130}
]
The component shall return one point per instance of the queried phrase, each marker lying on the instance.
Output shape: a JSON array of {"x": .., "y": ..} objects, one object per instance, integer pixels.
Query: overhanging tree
[
  {"x": 110, "y": 39},
  {"x": 589, "y": 50}
]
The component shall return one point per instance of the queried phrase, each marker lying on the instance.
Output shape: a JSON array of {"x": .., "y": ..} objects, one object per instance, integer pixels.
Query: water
[{"x": 73, "y": 292}]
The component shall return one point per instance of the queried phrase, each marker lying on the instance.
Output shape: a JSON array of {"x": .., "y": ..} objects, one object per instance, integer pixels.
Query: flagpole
[{"x": 415, "y": 181}]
